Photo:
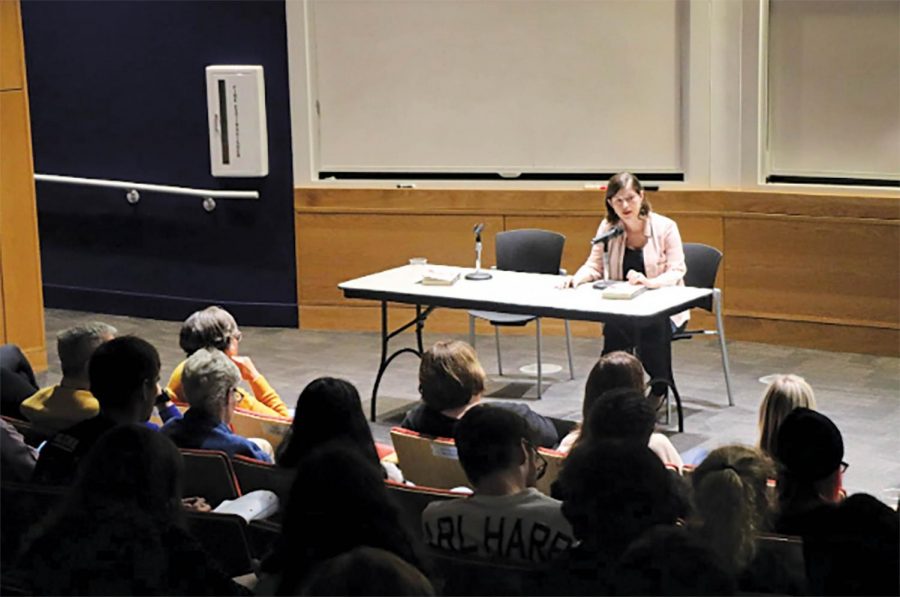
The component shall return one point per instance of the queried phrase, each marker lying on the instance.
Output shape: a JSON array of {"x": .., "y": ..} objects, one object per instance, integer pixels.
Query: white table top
[{"x": 516, "y": 292}]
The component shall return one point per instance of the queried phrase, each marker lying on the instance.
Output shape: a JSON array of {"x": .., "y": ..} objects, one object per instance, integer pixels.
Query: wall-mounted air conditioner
[{"x": 238, "y": 138}]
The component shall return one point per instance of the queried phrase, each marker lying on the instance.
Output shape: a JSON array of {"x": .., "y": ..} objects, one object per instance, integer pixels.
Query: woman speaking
[{"x": 649, "y": 253}]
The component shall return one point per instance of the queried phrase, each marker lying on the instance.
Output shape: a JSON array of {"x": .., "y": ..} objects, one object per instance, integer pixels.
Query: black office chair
[{"x": 532, "y": 251}]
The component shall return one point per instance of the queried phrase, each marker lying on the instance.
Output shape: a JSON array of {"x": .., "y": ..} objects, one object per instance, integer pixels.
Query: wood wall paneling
[{"x": 11, "y": 71}]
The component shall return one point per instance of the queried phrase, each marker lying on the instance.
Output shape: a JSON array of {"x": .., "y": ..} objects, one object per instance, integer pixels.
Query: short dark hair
[
  {"x": 623, "y": 180},
  {"x": 489, "y": 439},
  {"x": 620, "y": 414},
  {"x": 212, "y": 327},
  {"x": 119, "y": 367},
  {"x": 450, "y": 375},
  {"x": 617, "y": 369}
]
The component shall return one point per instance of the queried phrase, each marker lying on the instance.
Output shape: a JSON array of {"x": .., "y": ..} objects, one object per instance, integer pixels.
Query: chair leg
[
  {"x": 471, "y": 331},
  {"x": 499, "y": 359},
  {"x": 569, "y": 349},
  {"x": 720, "y": 330},
  {"x": 539, "y": 378}
]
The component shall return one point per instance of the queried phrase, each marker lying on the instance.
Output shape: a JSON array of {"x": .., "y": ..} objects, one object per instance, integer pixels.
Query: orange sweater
[{"x": 264, "y": 400}]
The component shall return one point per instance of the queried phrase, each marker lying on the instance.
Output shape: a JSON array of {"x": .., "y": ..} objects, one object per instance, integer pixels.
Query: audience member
[
  {"x": 124, "y": 378},
  {"x": 621, "y": 370},
  {"x": 851, "y": 546},
  {"x": 17, "y": 459},
  {"x": 507, "y": 518},
  {"x": 366, "y": 571},
  {"x": 667, "y": 560},
  {"x": 58, "y": 407},
  {"x": 210, "y": 381},
  {"x": 612, "y": 492},
  {"x": 17, "y": 380},
  {"x": 347, "y": 506},
  {"x": 330, "y": 409},
  {"x": 734, "y": 503},
  {"x": 121, "y": 531},
  {"x": 784, "y": 394},
  {"x": 451, "y": 381},
  {"x": 214, "y": 327}
]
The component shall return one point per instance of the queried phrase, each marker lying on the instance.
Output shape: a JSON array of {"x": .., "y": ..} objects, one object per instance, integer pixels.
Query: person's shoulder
[
  {"x": 36, "y": 401},
  {"x": 438, "y": 508},
  {"x": 657, "y": 219}
]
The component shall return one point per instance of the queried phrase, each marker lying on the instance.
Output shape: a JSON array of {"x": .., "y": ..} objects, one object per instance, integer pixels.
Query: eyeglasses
[
  {"x": 844, "y": 467},
  {"x": 237, "y": 335},
  {"x": 541, "y": 461},
  {"x": 622, "y": 200}
]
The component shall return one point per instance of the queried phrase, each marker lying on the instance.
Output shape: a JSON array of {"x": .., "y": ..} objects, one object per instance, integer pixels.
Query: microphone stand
[
  {"x": 478, "y": 274},
  {"x": 605, "y": 282}
]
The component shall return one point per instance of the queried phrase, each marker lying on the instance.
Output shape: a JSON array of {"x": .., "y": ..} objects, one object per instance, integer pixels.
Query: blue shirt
[{"x": 196, "y": 430}]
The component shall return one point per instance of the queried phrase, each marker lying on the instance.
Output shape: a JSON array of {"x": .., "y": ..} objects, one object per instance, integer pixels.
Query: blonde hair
[
  {"x": 784, "y": 394},
  {"x": 733, "y": 501},
  {"x": 450, "y": 375}
]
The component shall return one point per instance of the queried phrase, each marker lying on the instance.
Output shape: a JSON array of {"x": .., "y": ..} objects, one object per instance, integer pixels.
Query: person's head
[
  {"x": 213, "y": 327},
  {"x": 210, "y": 382},
  {"x": 811, "y": 453},
  {"x": 623, "y": 414},
  {"x": 617, "y": 369},
  {"x": 366, "y": 571},
  {"x": 492, "y": 441},
  {"x": 135, "y": 468},
  {"x": 613, "y": 492},
  {"x": 733, "y": 501},
  {"x": 784, "y": 394},
  {"x": 327, "y": 409},
  {"x": 450, "y": 375},
  {"x": 625, "y": 198},
  {"x": 348, "y": 489},
  {"x": 76, "y": 345},
  {"x": 124, "y": 376},
  {"x": 668, "y": 560}
]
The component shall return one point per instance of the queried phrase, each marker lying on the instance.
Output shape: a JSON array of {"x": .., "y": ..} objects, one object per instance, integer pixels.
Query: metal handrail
[{"x": 154, "y": 188}]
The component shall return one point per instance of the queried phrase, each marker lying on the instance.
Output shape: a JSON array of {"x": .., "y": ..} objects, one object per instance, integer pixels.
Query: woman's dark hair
[
  {"x": 327, "y": 409},
  {"x": 338, "y": 502},
  {"x": 212, "y": 327},
  {"x": 622, "y": 414},
  {"x": 623, "y": 180},
  {"x": 617, "y": 369}
]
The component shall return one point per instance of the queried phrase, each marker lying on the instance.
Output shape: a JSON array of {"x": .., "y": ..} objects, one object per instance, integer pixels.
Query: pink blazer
[{"x": 663, "y": 256}]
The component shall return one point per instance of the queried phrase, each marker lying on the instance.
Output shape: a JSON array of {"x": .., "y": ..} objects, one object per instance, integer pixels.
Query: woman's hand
[
  {"x": 567, "y": 282},
  {"x": 639, "y": 279},
  {"x": 195, "y": 504},
  {"x": 246, "y": 366}
]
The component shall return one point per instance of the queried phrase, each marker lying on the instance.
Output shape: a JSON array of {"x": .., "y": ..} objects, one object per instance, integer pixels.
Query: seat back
[
  {"x": 428, "y": 460},
  {"x": 702, "y": 263},
  {"x": 554, "y": 467},
  {"x": 271, "y": 429},
  {"x": 225, "y": 538},
  {"x": 529, "y": 250},
  {"x": 787, "y": 549},
  {"x": 23, "y": 505},
  {"x": 457, "y": 574},
  {"x": 412, "y": 500},
  {"x": 252, "y": 475},
  {"x": 210, "y": 475}
]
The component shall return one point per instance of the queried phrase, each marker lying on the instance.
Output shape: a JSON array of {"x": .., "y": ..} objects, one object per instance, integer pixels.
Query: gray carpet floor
[{"x": 860, "y": 393}]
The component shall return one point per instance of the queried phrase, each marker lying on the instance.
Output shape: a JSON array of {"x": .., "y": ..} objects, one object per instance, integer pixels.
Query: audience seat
[
  {"x": 225, "y": 537},
  {"x": 253, "y": 474},
  {"x": 787, "y": 549},
  {"x": 272, "y": 429},
  {"x": 554, "y": 467},
  {"x": 22, "y": 505},
  {"x": 427, "y": 460},
  {"x": 456, "y": 574},
  {"x": 33, "y": 435},
  {"x": 412, "y": 500},
  {"x": 210, "y": 475},
  {"x": 263, "y": 534}
]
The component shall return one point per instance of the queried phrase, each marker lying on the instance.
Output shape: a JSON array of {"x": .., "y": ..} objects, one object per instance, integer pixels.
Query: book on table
[
  {"x": 440, "y": 277},
  {"x": 623, "y": 291}
]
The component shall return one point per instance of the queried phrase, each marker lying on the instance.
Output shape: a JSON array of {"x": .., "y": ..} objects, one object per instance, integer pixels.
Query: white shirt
[{"x": 525, "y": 527}]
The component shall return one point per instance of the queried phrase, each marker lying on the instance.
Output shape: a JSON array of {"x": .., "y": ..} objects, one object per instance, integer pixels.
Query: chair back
[
  {"x": 788, "y": 550},
  {"x": 252, "y": 475},
  {"x": 23, "y": 505},
  {"x": 702, "y": 263},
  {"x": 428, "y": 461},
  {"x": 551, "y": 473},
  {"x": 271, "y": 429},
  {"x": 225, "y": 538},
  {"x": 529, "y": 250},
  {"x": 210, "y": 475},
  {"x": 457, "y": 574},
  {"x": 411, "y": 500}
]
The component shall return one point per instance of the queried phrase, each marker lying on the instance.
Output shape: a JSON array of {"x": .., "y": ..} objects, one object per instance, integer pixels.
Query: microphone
[
  {"x": 478, "y": 274},
  {"x": 608, "y": 235},
  {"x": 477, "y": 230}
]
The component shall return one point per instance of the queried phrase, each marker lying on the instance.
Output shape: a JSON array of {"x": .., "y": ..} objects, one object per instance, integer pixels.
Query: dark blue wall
[{"x": 118, "y": 91}]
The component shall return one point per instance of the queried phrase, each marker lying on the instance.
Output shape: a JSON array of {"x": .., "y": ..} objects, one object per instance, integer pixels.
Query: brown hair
[
  {"x": 733, "y": 501},
  {"x": 212, "y": 327},
  {"x": 450, "y": 375},
  {"x": 617, "y": 369},
  {"x": 624, "y": 180},
  {"x": 784, "y": 394}
]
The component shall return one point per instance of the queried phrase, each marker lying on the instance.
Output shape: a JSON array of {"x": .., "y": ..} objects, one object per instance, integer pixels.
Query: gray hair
[
  {"x": 76, "y": 345},
  {"x": 207, "y": 378},
  {"x": 212, "y": 327}
]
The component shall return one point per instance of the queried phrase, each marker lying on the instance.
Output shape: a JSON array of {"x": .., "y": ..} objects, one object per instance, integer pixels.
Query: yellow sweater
[
  {"x": 56, "y": 408},
  {"x": 264, "y": 400}
]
